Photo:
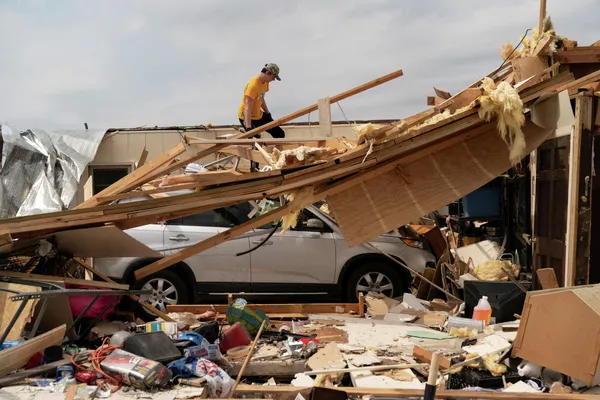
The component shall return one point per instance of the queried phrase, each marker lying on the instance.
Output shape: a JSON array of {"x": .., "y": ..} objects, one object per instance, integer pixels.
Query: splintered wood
[{"x": 393, "y": 174}]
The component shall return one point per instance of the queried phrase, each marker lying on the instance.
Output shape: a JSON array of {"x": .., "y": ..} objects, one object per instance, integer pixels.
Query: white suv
[{"x": 309, "y": 260}]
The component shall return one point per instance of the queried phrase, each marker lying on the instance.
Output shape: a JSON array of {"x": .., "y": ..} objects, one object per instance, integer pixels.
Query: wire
[
  {"x": 511, "y": 53},
  {"x": 96, "y": 357},
  {"x": 342, "y": 110},
  {"x": 263, "y": 241}
]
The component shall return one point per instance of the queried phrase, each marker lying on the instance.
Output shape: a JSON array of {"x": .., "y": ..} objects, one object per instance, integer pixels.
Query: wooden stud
[
  {"x": 299, "y": 308},
  {"x": 582, "y": 121},
  {"x": 361, "y": 304},
  {"x": 267, "y": 157},
  {"x": 203, "y": 153},
  {"x": 325, "y": 116},
  {"x": 60, "y": 279},
  {"x": 17, "y": 356},
  {"x": 241, "y": 373},
  {"x": 542, "y": 16}
]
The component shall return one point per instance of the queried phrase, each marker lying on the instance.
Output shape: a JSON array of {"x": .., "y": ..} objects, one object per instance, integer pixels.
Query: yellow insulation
[
  {"x": 290, "y": 220},
  {"x": 365, "y": 129},
  {"x": 504, "y": 102},
  {"x": 530, "y": 43},
  {"x": 301, "y": 153}
]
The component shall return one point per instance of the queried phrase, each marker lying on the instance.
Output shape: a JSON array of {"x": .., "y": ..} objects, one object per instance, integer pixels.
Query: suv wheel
[
  {"x": 167, "y": 288},
  {"x": 374, "y": 276}
]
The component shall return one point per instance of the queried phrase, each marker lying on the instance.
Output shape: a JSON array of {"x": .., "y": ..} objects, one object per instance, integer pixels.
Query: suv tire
[
  {"x": 173, "y": 289},
  {"x": 367, "y": 275}
]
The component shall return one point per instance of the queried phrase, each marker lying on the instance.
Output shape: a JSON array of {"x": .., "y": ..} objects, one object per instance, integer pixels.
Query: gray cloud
[{"x": 150, "y": 62}]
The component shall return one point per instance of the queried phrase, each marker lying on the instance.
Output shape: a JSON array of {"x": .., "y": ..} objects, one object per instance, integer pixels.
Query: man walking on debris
[{"x": 253, "y": 111}]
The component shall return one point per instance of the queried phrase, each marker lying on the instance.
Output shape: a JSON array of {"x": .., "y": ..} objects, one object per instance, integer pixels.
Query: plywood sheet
[
  {"x": 103, "y": 241},
  {"x": 388, "y": 201},
  {"x": 9, "y": 307}
]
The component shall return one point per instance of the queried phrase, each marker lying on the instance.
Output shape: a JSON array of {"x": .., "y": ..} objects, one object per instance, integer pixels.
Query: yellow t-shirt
[{"x": 256, "y": 90}]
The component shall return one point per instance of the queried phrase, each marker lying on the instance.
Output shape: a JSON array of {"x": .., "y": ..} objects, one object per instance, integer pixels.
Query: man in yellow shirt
[{"x": 253, "y": 111}]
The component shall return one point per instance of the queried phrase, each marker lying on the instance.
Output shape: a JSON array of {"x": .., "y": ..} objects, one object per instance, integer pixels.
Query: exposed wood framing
[
  {"x": 583, "y": 122},
  {"x": 119, "y": 188},
  {"x": 136, "y": 178}
]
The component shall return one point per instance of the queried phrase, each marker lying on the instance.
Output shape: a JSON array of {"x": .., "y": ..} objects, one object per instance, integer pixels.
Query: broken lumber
[
  {"x": 310, "y": 308},
  {"x": 17, "y": 356},
  {"x": 60, "y": 279},
  {"x": 418, "y": 393},
  {"x": 153, "y": 174},
  {"x": 134, "y": 179},
  {"x": 217, "y": 239}
]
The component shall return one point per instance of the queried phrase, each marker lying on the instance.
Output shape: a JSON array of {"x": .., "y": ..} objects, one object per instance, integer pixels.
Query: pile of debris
[{"x": 404, "y": 347}]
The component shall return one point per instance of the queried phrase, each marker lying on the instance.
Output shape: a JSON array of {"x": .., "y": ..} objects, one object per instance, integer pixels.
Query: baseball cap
[{"x": 273, "y": 69}]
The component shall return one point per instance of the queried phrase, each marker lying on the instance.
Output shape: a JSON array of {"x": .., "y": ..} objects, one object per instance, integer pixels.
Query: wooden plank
[
  {"x": 424, "y": 286},
  {"x": 418, "y": 393},
  {"x": 594, "y": 76},
  {"x": 217, "y": 239},
  {"x": 597, "y": 120},
  {"x": 8, "y": 308},
  {"x": 130, "y": 181},
  {"x": 266, "y": 156},
  {"x": 306, "y": 308},
  {"x": 275, "y": 369},
  {"x": 576, "y": 56},
  {"x": 535, "y": 91},
  {"x": 425, "y": 355},
  {"x": 134, "y": 297},
  {"x": 324, "y": 105},
  {"x": 582, "y": 121},
  {"x": 17, "y": 356},
  {"x": 206, "y": 178},
  {"x": 547, "y": 278},
  {"x": 60, "y": 279},
  {"x": 42, "y": 369},
  {"x": 265, "y": 141},
  {"x": 542, "y": 17},
  {"x": 203, "y": 153},
  {"x": 143, "y": 158},
  {"x": 464, "y": 98}
]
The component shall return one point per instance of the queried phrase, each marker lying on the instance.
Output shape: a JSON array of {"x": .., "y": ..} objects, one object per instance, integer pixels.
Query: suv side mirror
[{"x": 316, "y": 224}]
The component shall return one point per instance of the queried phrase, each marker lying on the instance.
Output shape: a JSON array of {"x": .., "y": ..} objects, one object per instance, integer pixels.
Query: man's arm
[
  {"x": 265, "y": 107},
  {"x": 248, "y": 101}
]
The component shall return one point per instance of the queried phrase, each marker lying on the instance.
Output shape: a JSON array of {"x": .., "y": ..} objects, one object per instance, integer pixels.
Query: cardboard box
[{"x": 560, "y": 330}]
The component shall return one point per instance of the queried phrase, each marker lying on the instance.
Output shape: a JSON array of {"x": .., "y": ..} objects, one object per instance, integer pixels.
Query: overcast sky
[{"x": 127, "y": 63}]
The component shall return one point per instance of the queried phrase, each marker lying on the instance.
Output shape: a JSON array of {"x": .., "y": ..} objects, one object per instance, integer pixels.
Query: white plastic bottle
[{"x": 483, "y": 310}]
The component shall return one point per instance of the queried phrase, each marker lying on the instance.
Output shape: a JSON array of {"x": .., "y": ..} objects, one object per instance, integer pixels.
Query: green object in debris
[
  {"x": 429, "y": 335},
  {"x": 238, "y": 311}
]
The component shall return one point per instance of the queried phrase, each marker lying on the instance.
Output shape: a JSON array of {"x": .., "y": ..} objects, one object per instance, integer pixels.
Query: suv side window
[{"x": 207, "y": 218}]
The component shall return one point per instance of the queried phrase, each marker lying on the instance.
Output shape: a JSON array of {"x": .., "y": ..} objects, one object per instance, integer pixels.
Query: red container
[{"x": 236, "y": 335}]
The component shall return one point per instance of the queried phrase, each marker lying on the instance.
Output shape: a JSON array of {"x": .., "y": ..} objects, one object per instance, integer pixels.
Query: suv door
[
  {"x": 217, "y": 264},
  {"x": 304, "y": 254}
]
